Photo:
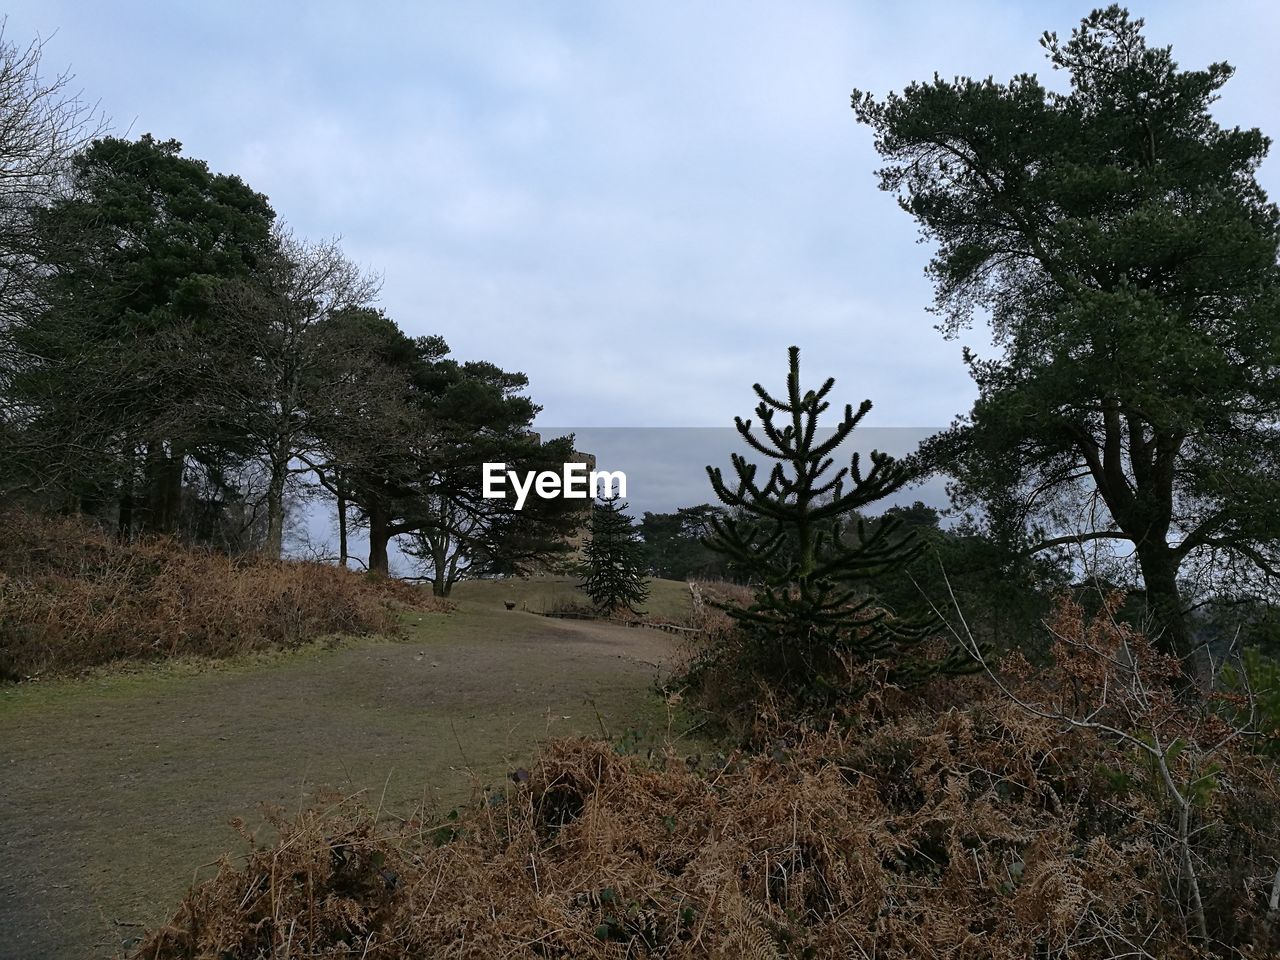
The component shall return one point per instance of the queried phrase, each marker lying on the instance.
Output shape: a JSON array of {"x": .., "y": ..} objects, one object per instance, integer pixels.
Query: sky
[{"x": 639, "y": 205}]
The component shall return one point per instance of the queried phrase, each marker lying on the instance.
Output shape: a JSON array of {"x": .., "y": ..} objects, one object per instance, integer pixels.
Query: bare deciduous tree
[
  {"x": 43, "y": 122},
  {"x": 274, "y": 316}
]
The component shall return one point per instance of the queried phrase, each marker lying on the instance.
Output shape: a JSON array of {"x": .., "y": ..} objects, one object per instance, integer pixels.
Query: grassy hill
[{"x": 669, "y": 600}]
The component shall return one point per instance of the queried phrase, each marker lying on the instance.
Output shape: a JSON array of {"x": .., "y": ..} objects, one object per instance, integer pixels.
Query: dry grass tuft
[{"x": 72, "y": 596}]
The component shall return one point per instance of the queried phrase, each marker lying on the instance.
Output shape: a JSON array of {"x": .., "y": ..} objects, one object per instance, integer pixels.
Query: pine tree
[
  {"x": 613, "y": 566},
  {"x": 799, "y": 537},
  {"x": 1118, "y": 241}
]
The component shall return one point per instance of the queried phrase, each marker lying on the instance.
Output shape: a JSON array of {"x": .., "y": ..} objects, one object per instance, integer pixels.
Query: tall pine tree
[
  {"x": 125, "y": 377},
  {"x": 1117, "y": 239},
  {"x": 792, "y": 534}
]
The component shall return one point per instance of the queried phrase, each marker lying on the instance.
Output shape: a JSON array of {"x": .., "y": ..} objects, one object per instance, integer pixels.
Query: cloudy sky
[{"x": 638, "y": 204}]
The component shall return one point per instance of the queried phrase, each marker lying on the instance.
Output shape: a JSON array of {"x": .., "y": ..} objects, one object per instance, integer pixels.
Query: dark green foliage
[
  {"x": 479, "y": 413},
  {"x": 1254, "y": 680},
  {"x": 613, "y": 561},
  {"x": 123, "y": 373},
  {"x": 673, "y": 544},
  {"x": 973, "y": 582},
  {"x": 464, "y": 535},
  {"x": 1228, "y": 624},
  {"x": 405, "y": 433},
  {"x": 1127, "y": 257},
  {"x": 365, "y": 408},
  {"x": 789, "y": 532}
]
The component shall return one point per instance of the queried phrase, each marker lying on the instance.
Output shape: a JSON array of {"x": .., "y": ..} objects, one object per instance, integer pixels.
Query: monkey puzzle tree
[
  {"x": 789, "y": 533},
  {"x": 613, "y": 559},
  {"x": 1126, "y": 255}
]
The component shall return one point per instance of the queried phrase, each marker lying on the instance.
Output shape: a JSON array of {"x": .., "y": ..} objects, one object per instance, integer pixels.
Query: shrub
[
  {"x": 742, "y": 679},
  {"x": 72, "y": 596},
  {"x": 1257, "y": 677}
]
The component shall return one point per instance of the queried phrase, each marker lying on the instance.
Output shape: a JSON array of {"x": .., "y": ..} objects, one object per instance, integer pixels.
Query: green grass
[{"x": 669, "y": 600}]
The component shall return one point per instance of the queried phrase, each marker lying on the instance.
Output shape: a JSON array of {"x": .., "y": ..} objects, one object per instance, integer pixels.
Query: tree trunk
[
  {"x": 1143, "y": 515},
  {"x": 1164, "y": 603},
  {"x": 173, "y": 470},
  {"x": 379, "y": 537},
  {"x": 274, "y": 547},
  {"x": 342, "y": 524},
  {"x": 452, "y": 576},
  {"x": 124, "y": 523},
  {"x": 151, "y": 485},
  {"x": 439, "y": 568},
  {"x": 163, "y": 483},
  {"x": 124, "y": 519}
]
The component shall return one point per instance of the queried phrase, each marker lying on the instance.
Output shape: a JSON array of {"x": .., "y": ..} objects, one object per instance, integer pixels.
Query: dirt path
[{"x": 113, "y": 790}]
